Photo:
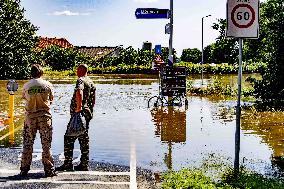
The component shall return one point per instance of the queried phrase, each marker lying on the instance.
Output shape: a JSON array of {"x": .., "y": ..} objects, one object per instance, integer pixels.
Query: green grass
[
  {"x": 217, "y": 88},
  {"x": 49, "y": 72},
  {"x": 187, "y": 178},
  {"x": 196, "y": 179}
]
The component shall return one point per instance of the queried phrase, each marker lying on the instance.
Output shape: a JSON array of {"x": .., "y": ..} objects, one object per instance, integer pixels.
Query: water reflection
[
  {"x": 270, "y": 127},
  {"x": 170, "y": 126}
]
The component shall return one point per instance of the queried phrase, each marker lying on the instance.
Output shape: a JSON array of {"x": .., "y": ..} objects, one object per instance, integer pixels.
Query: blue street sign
[
  {"x": 158, "y": 49},
  {"x": 152, "y": 13}
]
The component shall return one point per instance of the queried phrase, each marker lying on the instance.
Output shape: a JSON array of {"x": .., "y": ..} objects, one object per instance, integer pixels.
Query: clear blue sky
[{"x": 113, "y": 22}]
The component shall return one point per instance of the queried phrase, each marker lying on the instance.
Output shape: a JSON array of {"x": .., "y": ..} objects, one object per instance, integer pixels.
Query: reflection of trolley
[{"x": 172, "y": 83}]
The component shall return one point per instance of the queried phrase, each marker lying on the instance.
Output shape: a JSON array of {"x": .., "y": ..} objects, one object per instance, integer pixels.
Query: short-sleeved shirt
[
  {"x": 89, "y": 91},
  {"x": 38, "y": 95}
]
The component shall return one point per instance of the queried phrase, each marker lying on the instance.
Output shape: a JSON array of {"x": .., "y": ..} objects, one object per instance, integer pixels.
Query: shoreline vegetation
[
  {"x": 195, "y": 178},
  {"x": 191, "y": 68}
]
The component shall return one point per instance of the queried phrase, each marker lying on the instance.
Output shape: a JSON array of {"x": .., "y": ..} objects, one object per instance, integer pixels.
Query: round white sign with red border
[{"x": 242, "y": 18}]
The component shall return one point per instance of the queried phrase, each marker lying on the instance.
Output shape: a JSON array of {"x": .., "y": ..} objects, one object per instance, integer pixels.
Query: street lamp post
[
  {"x": 171, "y": 33},
  {"x": 202, "y": 49}
]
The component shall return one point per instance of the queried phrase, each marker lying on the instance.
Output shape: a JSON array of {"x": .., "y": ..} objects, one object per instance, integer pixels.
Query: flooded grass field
[{"x": 164, "y": 137}]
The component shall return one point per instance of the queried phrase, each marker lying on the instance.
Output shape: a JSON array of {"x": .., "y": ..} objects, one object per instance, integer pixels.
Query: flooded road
[{"x": 164, "y": 137}]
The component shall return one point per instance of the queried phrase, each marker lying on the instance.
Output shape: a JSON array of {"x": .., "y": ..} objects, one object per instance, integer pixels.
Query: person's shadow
[{"x": 18, "y": 177}]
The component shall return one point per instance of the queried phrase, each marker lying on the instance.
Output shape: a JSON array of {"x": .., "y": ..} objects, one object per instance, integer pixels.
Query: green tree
[
  {"x": 270, "y": 89},
  {"x": 165, "y": 54},
  {"x": 60, "y": 59},
  {"x": 224, "y": 50},
  {"x": 257, "y": 50},
  {"x": 17, "y": 41},
  {"x": 208, "y": 53},
  {"x": 191, "y": 55}
]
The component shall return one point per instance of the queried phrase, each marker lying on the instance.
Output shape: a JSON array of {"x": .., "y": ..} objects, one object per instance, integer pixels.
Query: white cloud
[
  {"x": 68, "y": 13},
  {"x": 146, "y": 1}
]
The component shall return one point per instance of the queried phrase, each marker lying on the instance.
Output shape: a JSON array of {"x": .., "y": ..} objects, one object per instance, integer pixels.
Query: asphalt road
[{"x": 101, "y": 175}]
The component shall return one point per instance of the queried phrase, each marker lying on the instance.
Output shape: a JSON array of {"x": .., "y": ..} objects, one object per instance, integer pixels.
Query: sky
[{"x": 113, "y": 22}]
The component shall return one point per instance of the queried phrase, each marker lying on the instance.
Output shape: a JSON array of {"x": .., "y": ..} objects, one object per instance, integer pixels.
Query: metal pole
[
  {"x": 238, "y": 110},
  {"x": 202, "y": 53},
  {"x": 202, "y": 60},
  {"x": 171, "y": 32}
]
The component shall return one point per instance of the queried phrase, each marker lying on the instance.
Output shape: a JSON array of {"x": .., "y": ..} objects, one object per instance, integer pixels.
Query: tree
[
  {"x": 224, "y": 50},
  {"x": 270, "y": 89},
  {"x": 257, "y": 50},
  {"x": 165, "y": 54},
  {"x": 60, "y": 59},
  {"x": 208, "y": 53},
  {"x": 191, "y": 55},
  {"x": 17, "y": 41}
]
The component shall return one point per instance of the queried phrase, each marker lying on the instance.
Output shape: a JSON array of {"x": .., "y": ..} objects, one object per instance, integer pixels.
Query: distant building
[
  {"x": 99, "y": 52},
  {"x": 147, "y": 46},
  {"x": 95, "y": 52},
  {"x": 45, "y": 42}
]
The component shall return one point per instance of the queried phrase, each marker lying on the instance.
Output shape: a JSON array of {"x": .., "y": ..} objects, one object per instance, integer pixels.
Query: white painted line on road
[
  {"x": 98, "y": 173},
  {"x": 133, "y": 181},
  {"x": 65, "y": 182}
]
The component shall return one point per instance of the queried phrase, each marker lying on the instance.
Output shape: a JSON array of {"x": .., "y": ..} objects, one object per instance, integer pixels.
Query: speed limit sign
[{"x": 243, "y": 18}]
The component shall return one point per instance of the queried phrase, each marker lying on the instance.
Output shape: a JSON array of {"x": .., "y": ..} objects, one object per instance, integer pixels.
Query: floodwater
[{"x": 164, "y": 137}]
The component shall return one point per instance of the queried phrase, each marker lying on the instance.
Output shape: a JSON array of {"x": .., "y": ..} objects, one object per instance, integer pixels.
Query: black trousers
[{"x": 84, "y": 147}]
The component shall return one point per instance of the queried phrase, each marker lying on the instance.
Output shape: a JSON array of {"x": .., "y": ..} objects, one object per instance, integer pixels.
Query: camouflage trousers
[
  {"x": 84, "y": 147},
  {"x": 43, "y": 124}
]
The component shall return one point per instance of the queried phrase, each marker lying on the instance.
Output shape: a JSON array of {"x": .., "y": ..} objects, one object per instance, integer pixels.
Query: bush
[{"x": 223, "y": 68}]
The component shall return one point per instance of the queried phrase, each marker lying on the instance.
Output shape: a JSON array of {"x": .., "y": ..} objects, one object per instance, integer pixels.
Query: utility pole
[
  {"x": 202, "y": 60},
  {"x": 171, "y": 59}
]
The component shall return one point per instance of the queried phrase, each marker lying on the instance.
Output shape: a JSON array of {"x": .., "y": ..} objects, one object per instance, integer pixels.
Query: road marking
[
  {"x": 65, "y": 182},
  {"x": 99, "y": 173},
  {"x": 133, "y": 182}
]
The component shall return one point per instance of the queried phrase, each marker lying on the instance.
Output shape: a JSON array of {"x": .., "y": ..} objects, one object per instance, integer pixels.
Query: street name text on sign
[
  {"x": 152, "y": 13},
  {"x": 243, "y": 18}
]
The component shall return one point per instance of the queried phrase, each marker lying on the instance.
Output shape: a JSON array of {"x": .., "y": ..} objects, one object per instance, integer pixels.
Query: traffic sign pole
[
  {"x": 242, "y": 22},
  {"x": 238, "y": 110}
]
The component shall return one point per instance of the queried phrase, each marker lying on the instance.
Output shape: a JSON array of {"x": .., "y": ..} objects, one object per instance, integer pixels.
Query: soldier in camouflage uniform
[
  {"x": 83, "y": 100},
  {"x": 38, "y": 95}
]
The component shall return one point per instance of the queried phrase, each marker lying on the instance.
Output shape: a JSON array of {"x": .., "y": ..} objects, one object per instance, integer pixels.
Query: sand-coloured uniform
[{"x": 38, "y": 95}]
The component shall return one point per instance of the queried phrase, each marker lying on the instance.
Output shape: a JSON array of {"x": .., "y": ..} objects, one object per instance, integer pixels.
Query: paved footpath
[{"x": 101, "y": 175}]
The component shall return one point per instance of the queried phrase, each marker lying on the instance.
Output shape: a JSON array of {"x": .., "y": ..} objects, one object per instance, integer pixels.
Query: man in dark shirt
[{"x": 83, "y": 100}]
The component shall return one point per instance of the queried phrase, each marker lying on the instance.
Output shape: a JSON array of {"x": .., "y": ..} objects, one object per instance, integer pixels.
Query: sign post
[{"x": 242, "y": 22}]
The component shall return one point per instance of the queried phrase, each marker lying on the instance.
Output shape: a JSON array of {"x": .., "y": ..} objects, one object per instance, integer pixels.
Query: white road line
[
  {"x": 65, "y": 182},
  {"x": 99, "y": 173},
  {"x": 133, "y": 182}
]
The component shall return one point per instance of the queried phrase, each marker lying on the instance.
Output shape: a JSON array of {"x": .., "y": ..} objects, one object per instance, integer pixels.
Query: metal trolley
[{"x": 172, "y": 84}]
